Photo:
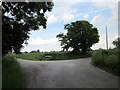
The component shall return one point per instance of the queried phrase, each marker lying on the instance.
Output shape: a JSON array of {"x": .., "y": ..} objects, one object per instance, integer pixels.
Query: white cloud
[
  {"x": 65, "y": 8},
  {"x": 86, "y": 16},
  {"x": 53, "y": 47},
  {"x": 75, "y": 1},
  {"x": 104, "y": 5},
  {"x": 114, "y": 17},
  {"x": 40, "y": 41},
  {"x": 112, "y": 22},
  {"x": 100, "y": 44},
  {"x": 111, "y": 39},
  {"x": 105, "y": 0},
  {"x": 63, "y": 12},
  {"x": 41, "y": 29},
  {"x": 100, "y": 21},
  {"x": 42, "y": 44},
  {"x": 68, "y": 17},
  {"x": 52, "y": 19},
  {"x": 113, "y": 6},
  {"x": 97, "y": 21}
]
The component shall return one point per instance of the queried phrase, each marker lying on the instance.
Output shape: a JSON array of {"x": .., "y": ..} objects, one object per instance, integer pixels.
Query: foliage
[
  {"x": 98, "y": 57},
  {"x": 107, "y": 60},
  {"x": 11, "y": 74},
  {"x": 38, "y": 50},
  {"x": 18, "y": 18},
  {"x": 117, "y": 42},
  {"x": 54, "y": 56},
  {"x": 81, "y": 35},
  {"x": 111, "y": 61}
]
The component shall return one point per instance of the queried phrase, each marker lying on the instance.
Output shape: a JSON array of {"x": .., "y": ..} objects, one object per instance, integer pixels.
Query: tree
[
  {"x": 64, "y": 41},
  {"x": 18, "y": 19},
  {"x": 38, "y": 50},
  {"x": 81, "y": 35},
  {"x": 116, "y": 42}
]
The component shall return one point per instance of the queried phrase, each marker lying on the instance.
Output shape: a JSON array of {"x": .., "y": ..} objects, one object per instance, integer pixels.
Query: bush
[
  {"x": 12, "y": 74},
  {"x": 111, "y": 63},
  {"x": 106, "y": 59},
  {"x": 26, "y": 52},
  {"x": 98, "y": 58}
]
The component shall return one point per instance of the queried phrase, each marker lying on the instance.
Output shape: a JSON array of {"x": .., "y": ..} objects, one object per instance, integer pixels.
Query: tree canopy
[
  {"x": 116, "y": 42},
  {"x": 80, "y": 36},
  {"x": 18, "y": 18}
]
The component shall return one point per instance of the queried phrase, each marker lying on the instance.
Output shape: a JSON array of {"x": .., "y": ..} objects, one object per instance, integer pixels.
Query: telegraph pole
[{"x": 106, "y": 38}]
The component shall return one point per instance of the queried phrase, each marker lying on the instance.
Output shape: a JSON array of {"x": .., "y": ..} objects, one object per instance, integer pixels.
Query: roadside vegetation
[
  {"x": 108, "y": 59},
  {"x": 42, "y": 56},
  {"x": 12, "y": 76},
  {"x": 15, "y": 32}
]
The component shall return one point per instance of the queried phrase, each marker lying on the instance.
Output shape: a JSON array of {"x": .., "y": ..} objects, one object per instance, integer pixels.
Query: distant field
[{"x": 44, "y": 56}]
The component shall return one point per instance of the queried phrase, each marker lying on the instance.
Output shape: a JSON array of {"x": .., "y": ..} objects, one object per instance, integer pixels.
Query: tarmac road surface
[{"x": 78, "y": 73}]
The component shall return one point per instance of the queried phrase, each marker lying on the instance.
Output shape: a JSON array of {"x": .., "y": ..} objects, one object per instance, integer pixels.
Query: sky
[{"x": 98, "y": 12}]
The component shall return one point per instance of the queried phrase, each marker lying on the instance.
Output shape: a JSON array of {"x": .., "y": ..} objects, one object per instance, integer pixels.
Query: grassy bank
[
  {"x": 41, "y": 56},
  {"x": 11, "y": 73},
  {"x": 106, "y": 60}
]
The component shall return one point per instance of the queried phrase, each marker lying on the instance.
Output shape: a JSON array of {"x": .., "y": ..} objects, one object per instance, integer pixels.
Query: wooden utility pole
[{"x": 106, "y": 38}]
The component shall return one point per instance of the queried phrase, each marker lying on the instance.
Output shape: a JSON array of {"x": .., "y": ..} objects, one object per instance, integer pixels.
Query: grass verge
[{"x": 11, "y": 73}]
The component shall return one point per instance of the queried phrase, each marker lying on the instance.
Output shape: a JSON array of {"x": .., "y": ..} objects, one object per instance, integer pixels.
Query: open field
[{"x": 46, "y": 56}]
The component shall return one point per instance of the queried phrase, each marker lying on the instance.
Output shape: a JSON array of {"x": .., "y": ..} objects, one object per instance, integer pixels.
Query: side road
[{"x": 79, "y": 73}]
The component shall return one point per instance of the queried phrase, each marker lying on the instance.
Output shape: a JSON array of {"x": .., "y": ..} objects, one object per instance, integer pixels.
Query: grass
[
  {"x": 11, "y": 74},
  {"x": 54, "y": 56},
  {"x": 107, "y": 60}
]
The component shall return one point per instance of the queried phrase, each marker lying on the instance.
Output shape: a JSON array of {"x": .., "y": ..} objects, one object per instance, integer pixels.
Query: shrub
[
  {"x": 12, "y": 74},
  {"x": 111, "y": 63},
  {"x": 26, "y": 52},
  {"x": 98, "y": 58},
  {"x": 107, "y": 60}
]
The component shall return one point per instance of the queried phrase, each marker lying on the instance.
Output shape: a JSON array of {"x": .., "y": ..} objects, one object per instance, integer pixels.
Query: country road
[{"x": 79, "y": 73}]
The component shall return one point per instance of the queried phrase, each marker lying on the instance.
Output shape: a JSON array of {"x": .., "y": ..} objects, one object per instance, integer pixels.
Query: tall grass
[
  {"x": 11, "y": 74},
  {"x": 107, "y": 60}
]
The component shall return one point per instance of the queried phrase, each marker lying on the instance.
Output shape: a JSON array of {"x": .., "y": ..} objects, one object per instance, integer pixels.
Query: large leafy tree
[
  {"x": 80, "y": 36},
  {"x": 18, "y": 18}
]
